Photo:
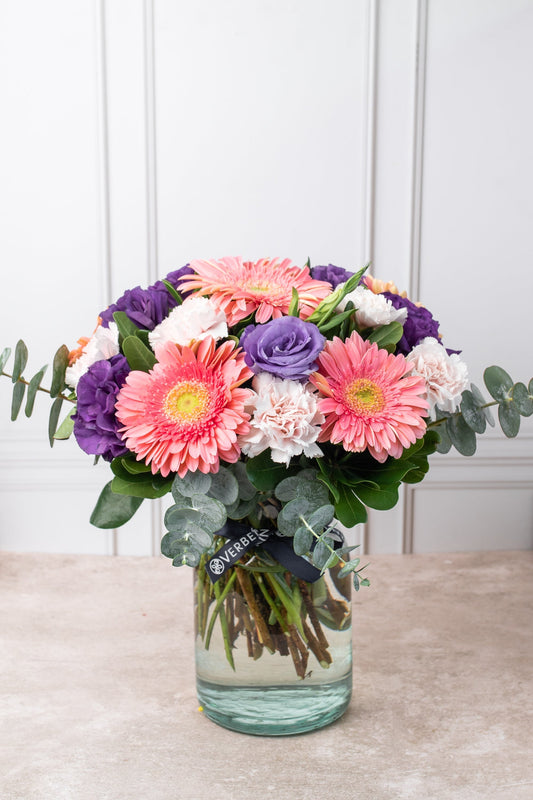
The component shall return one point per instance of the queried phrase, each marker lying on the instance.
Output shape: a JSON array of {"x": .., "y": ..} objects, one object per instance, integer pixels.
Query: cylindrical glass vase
[{"x": 273, "y": 652}]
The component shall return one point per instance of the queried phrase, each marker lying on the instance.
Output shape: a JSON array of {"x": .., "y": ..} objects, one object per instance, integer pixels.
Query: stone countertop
[{"x": 97, "y": 677}]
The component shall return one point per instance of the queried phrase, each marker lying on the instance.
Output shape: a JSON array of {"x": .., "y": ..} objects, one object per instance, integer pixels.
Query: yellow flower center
[
  {"x": 187, "y": 401},
  {"x": 364, "y": 396}
]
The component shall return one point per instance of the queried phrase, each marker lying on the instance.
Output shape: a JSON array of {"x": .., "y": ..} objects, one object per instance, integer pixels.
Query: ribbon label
[{"x": 230, "y": 552}]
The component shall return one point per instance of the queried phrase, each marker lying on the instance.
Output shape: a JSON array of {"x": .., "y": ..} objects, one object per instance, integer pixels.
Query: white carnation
[
  {"x": 372, "y": 309},
  {"x": 196, "y": 318},
  {"x": 446, "y": 376},
  {"x": 285, "y": 417},
  {"x": 102, "y": 345}
]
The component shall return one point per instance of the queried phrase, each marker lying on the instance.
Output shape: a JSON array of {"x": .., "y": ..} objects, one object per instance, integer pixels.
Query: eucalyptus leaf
[
  {"x": 463, "y": 438},
  {"x": 246, "y": 488},
  {"x": 206, "y": 512},
  {"x": 59, "y": 367},
  {"x": 192, "y": 535},
  {"x": 242, "y": 508},
  {"x": 509, "y": 419},
  {"x": 21, "y": 359},
  {"x": 302, "y": 486},
  {"x": 290, "y": 514},
  {"x": 53, "y": 419},
  {"x": 322, "y": 552},
  {"x": 445, "y": 443},
  {"x": 321, "y": 518},
  {"x": 522, "y": 400},
  {"x": 480, "y": 401},
  {"x": 17, "y": 398},
  {"x": 498, "y": 382},
  {"x": 113, "y": 510},
  {"x": 192, "y": 483},
  {"x": 472, "y": 414},
  {"x": 67, "y": 426},
  {"x": 224, "y": 487},
  {"x": 33, "y": 388},
  {"x": 302, "y": 541},
  {"x": 4, "y": 357}
]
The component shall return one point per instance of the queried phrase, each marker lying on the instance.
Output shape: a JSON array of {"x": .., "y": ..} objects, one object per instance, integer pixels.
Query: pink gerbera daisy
[
  {"x": 370, "y": 398},
  {"x": 186, "y": 413},
  {"x": 241, "y": 287}
]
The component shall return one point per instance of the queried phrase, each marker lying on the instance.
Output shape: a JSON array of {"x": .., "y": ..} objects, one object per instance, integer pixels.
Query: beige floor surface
[{"x": 98, "y": 698}]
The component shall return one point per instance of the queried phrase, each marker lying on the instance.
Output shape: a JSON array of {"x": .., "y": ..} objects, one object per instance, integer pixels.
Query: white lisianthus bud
[{"x": 372, "y": 310}]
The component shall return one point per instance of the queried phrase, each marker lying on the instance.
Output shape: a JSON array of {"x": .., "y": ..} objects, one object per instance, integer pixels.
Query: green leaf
[
  {"x": 480, "y": 401},
  {"x": 498, "y": 382},
  {"x": 445, "y": 443},
  {"x": 321, "y": 518},
  {"x": 113, "y": 510},
  {"x": 59, "y": 367},
  {"x": 16, "y": 401},
  {"x": 224, "y": 487},
  {"x": 192, "y": 483},
  {"x": 303, "y": 539},
  {"x": 33, "y": 388},
  {"x": 66, "y": 427},
  {"x": 135, "y": 467},
  {"x": 4, "y": 358},
  {"x": 139, "y": 488},
  {"x": 463, "y": 438},
  {"x": 243, "y": 508},
  {"x": 349, "y": 510},
  {"x": 322, "y": 552},
  {"x": 294, "y": 308},
  {"x": 54, "y": 419},
  {"x": 509, "y": 418},
  {"x": 126, "y": 326},
  {"x": 246, "y": 489},
  {"x": 338, "y": 319},
  {"x": 472, "y": 414},
  {"x": 302, "y": 486},
  {"x": 174, "y": 292},
  {"x": 387, "y": 336},
  {"x": 138, "y": 355},
  {"x": 21, "y": 359},
  {"x": 381, "y": 499},
  {"x": 265, "y": 473},
  {"x": 191, "y": 536},
  {"x": 206, "y": 512},
  {"x": 522, "y": 399}
]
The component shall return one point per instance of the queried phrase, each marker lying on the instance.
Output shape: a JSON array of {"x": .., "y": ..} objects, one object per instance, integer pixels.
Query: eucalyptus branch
[{"x": 39, "y": 388}]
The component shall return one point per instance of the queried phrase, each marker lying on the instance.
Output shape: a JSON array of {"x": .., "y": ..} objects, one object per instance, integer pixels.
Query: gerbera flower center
[
  {"x": 262, "y": 287},
  {"x": 364, "y": 396},
  {"x": 187, "y": 401}
]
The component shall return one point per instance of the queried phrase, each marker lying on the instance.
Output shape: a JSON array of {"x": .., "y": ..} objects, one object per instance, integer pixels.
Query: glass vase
[{"x": 273, "y": 652}]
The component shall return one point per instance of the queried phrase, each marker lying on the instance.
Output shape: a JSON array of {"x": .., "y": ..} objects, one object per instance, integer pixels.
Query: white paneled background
[{"x": 138, "y": 135}]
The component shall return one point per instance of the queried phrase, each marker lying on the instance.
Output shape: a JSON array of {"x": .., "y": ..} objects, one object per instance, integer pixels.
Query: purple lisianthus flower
[
  {"x": 419, "y": 324},
  {"x": 95, "y": 423},
  {"x": 331, "y": 274},
  {"x": 147, "y": 307},
  {"x": 286, "y": 347}
]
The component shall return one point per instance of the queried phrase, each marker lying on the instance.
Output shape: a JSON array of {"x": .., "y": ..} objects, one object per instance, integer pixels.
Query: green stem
[
  {"x": 221, "y": 596},
  {"x": 293, "y": 613},
  {"x": 39, "y": 388}
]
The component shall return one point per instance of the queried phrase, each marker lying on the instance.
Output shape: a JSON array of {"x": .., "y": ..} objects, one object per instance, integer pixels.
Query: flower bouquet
[{"x": 275, "y": 403}]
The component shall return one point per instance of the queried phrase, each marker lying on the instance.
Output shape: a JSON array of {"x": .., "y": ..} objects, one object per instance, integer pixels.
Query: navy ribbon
[{"x": 242, "y": 538}]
